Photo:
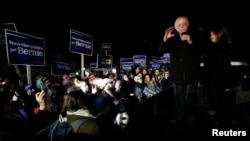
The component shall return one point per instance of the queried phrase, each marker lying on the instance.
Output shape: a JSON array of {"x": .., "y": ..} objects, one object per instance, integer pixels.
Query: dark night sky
[{"x": 132, "y": 27}]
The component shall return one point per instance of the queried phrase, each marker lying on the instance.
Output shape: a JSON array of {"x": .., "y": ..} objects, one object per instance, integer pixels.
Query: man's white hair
[{"x": 181, "y": 17}]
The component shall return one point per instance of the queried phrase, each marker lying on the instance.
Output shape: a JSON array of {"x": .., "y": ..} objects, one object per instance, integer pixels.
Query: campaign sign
[
  {"x": 62, "y": 65},
  {"x": 106, "y": 47},
  {"x": 156, "y": 59},
  {"x": 93, "y": 65},
  {"x": 105, "y": 61},
  {"x": 24, "y": 49},
  {"x": 81, "y": 43},
  {"x": 165, "y": 59},
  {"x": 3, "y": 56},
  {"x": 139, "y": 60},
  {"x": 155, "y": 65},
  {"x": 43, "y": 70},
  {"x": 3, "y": 26},
  {"x": 126, "y": 63}
]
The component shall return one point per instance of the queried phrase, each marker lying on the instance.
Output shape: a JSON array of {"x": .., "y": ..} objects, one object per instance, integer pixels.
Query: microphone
[{"x": 184, "y": 32}]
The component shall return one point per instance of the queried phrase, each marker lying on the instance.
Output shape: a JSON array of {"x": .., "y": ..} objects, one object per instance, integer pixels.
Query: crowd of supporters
[{"x": 106, "y": 98}]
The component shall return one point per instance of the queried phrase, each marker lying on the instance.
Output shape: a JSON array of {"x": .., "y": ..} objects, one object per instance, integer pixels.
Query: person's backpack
[{"x": 61, "y": 130}]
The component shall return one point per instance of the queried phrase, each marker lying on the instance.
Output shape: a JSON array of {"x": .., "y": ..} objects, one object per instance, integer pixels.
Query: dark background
[{"x": 132, "y": 27}]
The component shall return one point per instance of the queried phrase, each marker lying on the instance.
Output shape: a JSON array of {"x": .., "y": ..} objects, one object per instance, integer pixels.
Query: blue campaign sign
[
  {"x": 156, "y": 59},
  {"x": 106, "y": 47},
  {"x": 139, "y": 60},
  {"x": 81, "y": 43},
  {"x": 126, "y": 63},
  {"x": 155, "y": 65},
  {"x": 62, "y": 64},
  {"x": 105, "y": 61},
  {"x": 24, "y": 49},
  {"x": 3, "y": 56},
  {"x": 93, "y": 65},
  {"x": 4, "y": 26}
]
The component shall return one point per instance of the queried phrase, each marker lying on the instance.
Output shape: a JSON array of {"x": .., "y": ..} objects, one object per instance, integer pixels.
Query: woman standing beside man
[{"x": 218, "y": 74}]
